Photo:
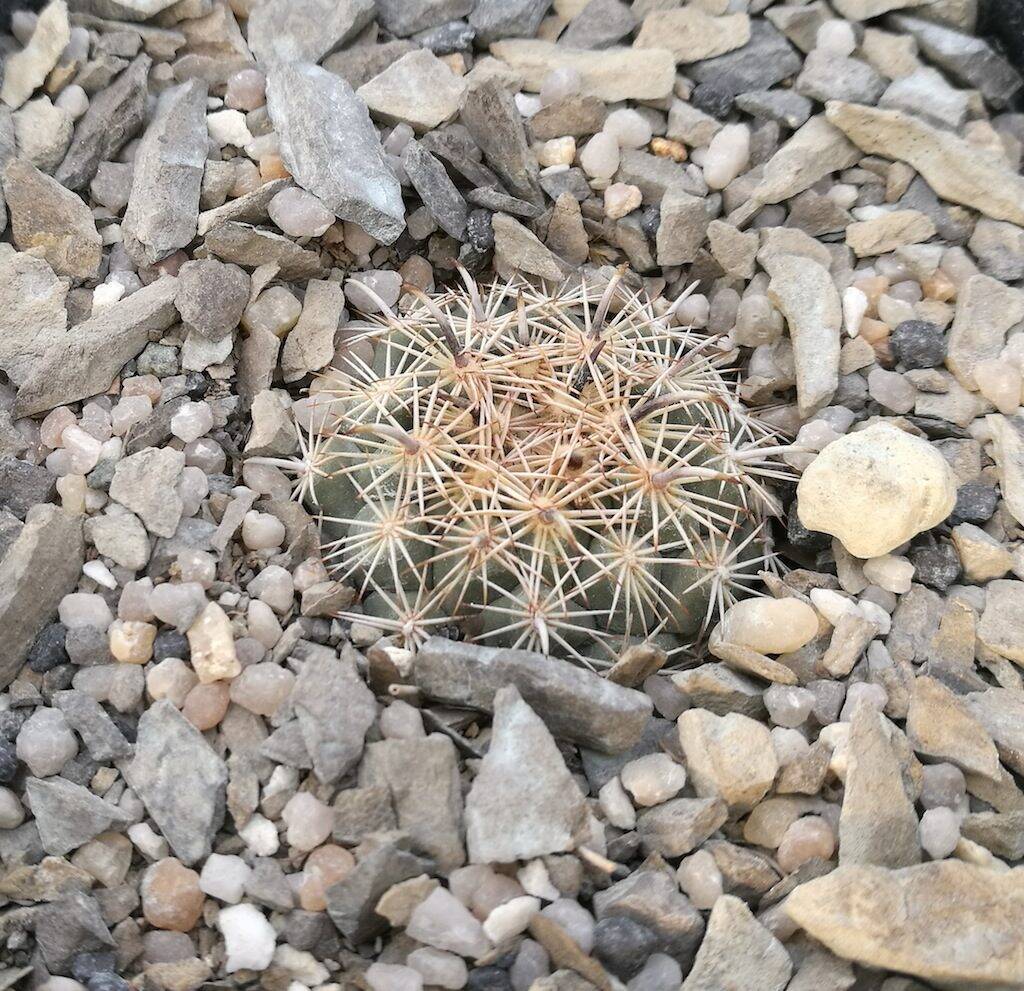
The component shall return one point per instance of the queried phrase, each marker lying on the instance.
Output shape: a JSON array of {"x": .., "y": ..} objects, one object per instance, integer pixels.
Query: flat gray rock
[
  {"x": 333, "y": 150},
  {"x": 422, "y": 776},
  {"x": 115, "y": 116},
  {"x": 252, "y": 247},
  {"x": 68, "y": 815},
  {"x": 163, "y": 209},
  {"x": 180, "y": 781},
  {"x": 38, "y": 570},
  {"x": 334, "y": 709},
  {"x": 524, "y": 802},
  {"x": 102, "y": 738},
  {"x": 405, "y": 17},
  {"x": 575, "y": 704},
  {"x": 304, "y": 30},
  {"x": 211, "y": 297},
  {"x": 69, "y": 926},
  {"x": 146, "y": 483}
]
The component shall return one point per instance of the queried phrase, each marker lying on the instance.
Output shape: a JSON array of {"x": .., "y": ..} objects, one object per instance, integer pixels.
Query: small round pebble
[
  {"x": 300, "y": 214},
  {"x": 940, "y": 832},
  {"x": 653, "y": 779},
  {"x": 171, "y": 896},
  {"x": 788, "y": 705},
  {"x": 918, "y": 344},
  {"x": 46, "y": 742},
  {"x": 700, "y": 879},
  {"x": 600, "y": 156},
  {"x": 623, "y": 945},
  {"x": 629, "y": 128},
  {"x": 806, "y": 839}
]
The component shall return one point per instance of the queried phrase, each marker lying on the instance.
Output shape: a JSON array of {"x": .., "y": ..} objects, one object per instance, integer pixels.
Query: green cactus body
[{"x": 564, "y": 472}]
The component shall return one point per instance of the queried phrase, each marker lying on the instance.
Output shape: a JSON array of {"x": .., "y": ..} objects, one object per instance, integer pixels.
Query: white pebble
[
  {"x": 260, "y": 836},
  {"x": 224, "y": 877},
  {"x": 192, "y": 421},
  {"x": 560, "y": 84},
  {"x": 45, "y": 742},
  {"x": 249, "y": 938},
  {"x": 511, "y": 918},
  {"x": 653, "y": 778},
  {"x": 300, "y": 214},
  {"x": 940, "y": 832},
  {"x": 393, "y": 977},
  {"x": 894, "y": 574},
  {"x": 557, "y": 151},
  {"x": 629, "y": 128},
  {"x": 600, "y": 157},
  {"x": 855, "y": 305},
  {"x": 837, "y": 38},
  {"x": 727, "y": 155},
  {"x": 228, "y": 127}
]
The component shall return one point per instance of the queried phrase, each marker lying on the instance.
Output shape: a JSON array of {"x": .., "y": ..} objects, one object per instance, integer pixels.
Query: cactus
[{"x": 564, "y": 472}]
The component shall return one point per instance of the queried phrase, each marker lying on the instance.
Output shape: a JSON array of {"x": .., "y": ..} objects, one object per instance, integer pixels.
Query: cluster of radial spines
[{"x": 560, "y": 472}]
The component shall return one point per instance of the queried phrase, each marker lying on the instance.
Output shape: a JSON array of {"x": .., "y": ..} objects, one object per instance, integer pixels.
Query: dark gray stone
[
  {"x": 69, "y": 926},
  {"x": 781, "y": 105},
  {"x": 438, "y": 193},
  {"x": 764, "y": 61},
  {"x": 211, "y": 297},
  {"x": 405, "y": 17},
  {"x": 574, "y": 703},
  {"x": 497, "y": 19},
  {"x": 623, "y": 945},
  {"x": 114, "y": 117},
  {"x": 23, "y": 485},
  {"x": 600, "y": 24},
  {"x": 68, "y": 815},
  {"x": 918, "y": 344},
  {"x": 170, "y": 752}
]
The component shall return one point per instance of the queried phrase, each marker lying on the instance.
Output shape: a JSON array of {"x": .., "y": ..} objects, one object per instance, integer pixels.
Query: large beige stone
[
  {"x": 691, "y": 35},
  {"x": 985, "y": 310},
  {"x": 956, "y": 169},
  {"x": 875, "y": 489},
  {"x": 953, "y": 924}
]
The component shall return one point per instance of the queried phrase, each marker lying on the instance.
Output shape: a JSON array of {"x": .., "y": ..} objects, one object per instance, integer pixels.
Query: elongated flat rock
[
  {"x": 948, "y": 922},
  {"x": 957, "y": 170},
  {"x": 575, "y": 704},
  {"x": 163, "y": 209},
  {"x": 69, "y": 815},
  {"x": 611, "y": 75},
  {"x": 304, "y": 30},
  {"x": 985, "y": 310},
  {"x": 333, "y": 150},
  {"x": 83, "y": 362},
  {"x": 805, "y": 293}
]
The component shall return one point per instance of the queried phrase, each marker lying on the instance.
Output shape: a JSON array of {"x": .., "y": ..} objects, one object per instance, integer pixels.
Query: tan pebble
[
  {"x": 206, "y": 705},
  {"x": 667, "y": 148},
  {"x": 171, "y": 897},
  {"x": 131, "y": 642},
  {"x": 873, "y": 287},
  {"x": 212, "y": 645},
  {"x": 939, "y": 286},
  {"x": 273, "y": 167},
  {"x": 326, "y": 865},
  {"x": 805, "y": 840}
]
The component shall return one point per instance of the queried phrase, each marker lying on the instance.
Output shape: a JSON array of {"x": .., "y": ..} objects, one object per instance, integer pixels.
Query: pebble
[
  {"x": 771, "y": 626},
  {"x": 248, "y": 936},
  {"x": 600, "y": 156},
  {"x": 212, "y": 645},
  {"x": 652, "y": 779},
  {"x": 171, "y": 896},
  {"x": 940, "y": 832},
  {"x": 299, "y": 214},
  {"x": 806, "y": 839},
  {"x": 46, "y": 743},
  {"x": 224, "y": 878}
]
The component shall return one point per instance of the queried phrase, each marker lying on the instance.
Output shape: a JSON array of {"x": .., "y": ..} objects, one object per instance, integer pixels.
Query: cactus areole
[{"x": 564, "y": 471}]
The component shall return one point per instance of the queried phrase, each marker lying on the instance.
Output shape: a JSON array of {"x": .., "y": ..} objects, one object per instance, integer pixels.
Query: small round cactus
[{"x": 566, "y": 472}]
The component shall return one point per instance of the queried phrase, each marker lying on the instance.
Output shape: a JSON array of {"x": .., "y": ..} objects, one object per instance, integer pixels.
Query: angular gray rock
[
  {"x": 68, "y": 815},
  {"x": 676, "y": 827},
  {"x": 310, "y": 344},
  {"x": 422, "y": 777},
  {"x": 115, "y": 115},
  {"x": 32, "y": 301},
  {"x": 524, "y": 802},
  {"x": 334, "y": 708},
  {"x": 497, "y": 19},
  {"x": 51, "y": 219},
  {"x": 1001, "y": 712},
  {"x": 437, "y": 191},
  {"x": 27, "y": 69},
  {"x": 738, "y": 952},
  {"x": 333, "y": 150},
  {"x": 211, "y": 297},
  {"x": 38, "y": 570},
  {"x": 68, "y": 926},
  {"x": 351, "y": 902},
  {"x": 304, "y": 30},
  {"x": 575, "y": 704},
  {"x": 146, "y": 483},
  {"x": 163, "y": 210},
  {"x": 102, "y": 738},
  {"x": 24, "y": 485},
  {"x": 83, "y": 362},
  {"x": 683, "y": 227},
  {"x": 252, "y": 247},
  {"x": 490, "y": 115},
  {"x": 252, "y": 208},
  {"x": 419, "y": 89},
  {"x": 765, "y": 60},
  {"x": 405, "y": 17},
  {"x": 878, "y": 824},
  {"x": 179, "y": 779}
]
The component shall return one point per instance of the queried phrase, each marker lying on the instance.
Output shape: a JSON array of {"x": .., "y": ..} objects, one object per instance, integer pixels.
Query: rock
[
  {"x": 497, "y": 19},
  {"x": 877, "y": 824},
  {"x": 51, "y": 219},
  {"x": 518, "y": 249},
  {"x": 102, "y": 738},
  {"x": 422, "y": 776},
  {"x": 814, "y": 151},
  {"x": 418, "y": 89},
  {"x": 249, "y": 939},
  {"x": 115, "y": 116},
  {"x": 23, "y": 485},
  {"x": 683, "y": 227},
  {"x": 68, "y": 815},
  {"x": 26, "y": 70},
  {"x": 918, "y": 344},
  {"x": 252, "y": 247},
  {"x": 679, "y": 826},
  {"x": 442, "y": 921},
  {"x": 439, "y": 194},
  {"x": 43, "y": 132},
  {"x": 999, "y": 248},
  {"x": 955, "y": 170},
  {"x": 490, "y": 115},
  {"x": 163, "y": 209},
  {"x": 652, "y": 898},
  {"x": 985, "y": 310},
  {"x": 982, "y": 557},
  {"x": 334, "y": 709},
  {"x": 304, "y": 30},
  {"x": 523, "y": 802},
  {"x": 1008, "y": 452},
  {"x": 169, "y": 750},
  {"x": 405, "y": 17},
  {"x": 765, "y": 60},
  {"x": 925, "y": 93},
  {"x": 1001, "y": 628},
  {"x": 599, "y": 25},
  {"x": 310, "y": 345},
  {"x": 940, "y": 724},
  {"x": 121, "y": 538},
  {"x": 691, "y": 35},
  {"x": 37, "y": 571},
  {"x": 211, "y": 297},
  {"x": 146, "y": 483},
  {"x": 919, "y": 920},
  {"x": 351, "y": 901},
  {"x": 360, "y": 63},
  {"x": 827, "y": 75},
  {"x": 574, "y": 704},
  {"x": 889, "y": 231},
  {"x": 70, "y": 926},
  {"x": 807, "y": 296},
  {"x": 333, "y": 150},
  {"x": 971, "y": 61},
  {"x": 212, "y": 646},
  {"x": 728, "y": 756},
  {"x": 771, "y": 626},
  {"x": 875, "y": 489},
  {"x": 611, "y": 75},
  {"x": 738, "y": 951}
]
